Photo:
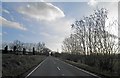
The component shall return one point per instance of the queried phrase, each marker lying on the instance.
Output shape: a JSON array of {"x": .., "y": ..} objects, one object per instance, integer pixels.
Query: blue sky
[{"x": 46, "y": 22}]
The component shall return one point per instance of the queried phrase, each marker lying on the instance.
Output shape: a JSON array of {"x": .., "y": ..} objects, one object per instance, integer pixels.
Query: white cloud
[
  {"x": 56, "y": 26},
  {"x": 41, "y": 11},
  {"x": 112, "y": 17},
  {"x": 11, "y": 24},
  {"x": 6, "y": 11},
  {"x": 60, "y": 26},
  {"x": 56, "y": 31},
  {"x": 45, "y": 34},
  {"x": 92, "y": 3},
  {"x": 54, "y": 42}
]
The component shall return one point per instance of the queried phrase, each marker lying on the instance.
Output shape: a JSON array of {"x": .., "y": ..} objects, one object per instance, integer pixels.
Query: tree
[
  {"x": 14, "y": 49},
  {"x": 6, "y": 49},
  {"x": 18, "y": 45},
  {"x": 4, "y": 44},
  {"x": 24, "y": 51},
  {"x": 91, "y": 40},
  {"x": 33, "y": 51},
  {"x": 40, "y": 46},
  {"x": 11, "y": 46}
]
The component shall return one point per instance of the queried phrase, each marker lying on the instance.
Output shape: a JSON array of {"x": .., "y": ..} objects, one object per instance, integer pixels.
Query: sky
[{"x": 48, "y": 22}]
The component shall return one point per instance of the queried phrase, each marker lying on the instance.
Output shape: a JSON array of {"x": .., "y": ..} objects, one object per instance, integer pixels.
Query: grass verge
[
  {"x": 91, "y": 69},
  {"x": 16, "y": 65}
]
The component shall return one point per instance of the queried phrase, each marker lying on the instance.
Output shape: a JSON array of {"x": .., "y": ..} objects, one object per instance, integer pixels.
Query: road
[{"x": 54, "y": 67}]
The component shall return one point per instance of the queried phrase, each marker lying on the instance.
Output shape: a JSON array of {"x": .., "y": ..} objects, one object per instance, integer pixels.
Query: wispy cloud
[
  {"x": 41, "y": 11},
  {"x": 11, "y": 24},
  {"x": 45, "y": 34},
  {"x": 60, "y": 29},
  {"x": 92, "y": 3},
  {"x": 6, "y": 11}
]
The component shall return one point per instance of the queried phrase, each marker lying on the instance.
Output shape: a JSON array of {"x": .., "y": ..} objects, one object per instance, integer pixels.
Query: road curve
[{"x": 52, "y": 66}]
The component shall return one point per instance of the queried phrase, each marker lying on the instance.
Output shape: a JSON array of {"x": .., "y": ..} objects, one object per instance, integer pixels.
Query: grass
[
  {"x": 103, "y": 74},
  {"x": 15, "y": 65}
]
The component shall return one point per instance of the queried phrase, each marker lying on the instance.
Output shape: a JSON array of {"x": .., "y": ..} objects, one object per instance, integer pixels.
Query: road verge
[{"x": 17, "y": 65}]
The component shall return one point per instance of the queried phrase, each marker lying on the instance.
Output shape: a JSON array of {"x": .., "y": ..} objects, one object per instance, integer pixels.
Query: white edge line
[
  {"x": 81, "y": 69},
  {"x": 58, "y": 68},
  {"x": 36, "y": 68}
]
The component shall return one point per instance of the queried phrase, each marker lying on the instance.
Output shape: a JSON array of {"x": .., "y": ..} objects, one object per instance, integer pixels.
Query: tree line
[
  {"x": 18, "y": 47},
  {"x": 90, "y": 36},
  {"x": 91, "y": 44}
]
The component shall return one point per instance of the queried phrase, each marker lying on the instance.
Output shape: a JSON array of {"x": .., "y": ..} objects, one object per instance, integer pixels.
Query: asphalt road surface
[{"x": 54, "y": 67}]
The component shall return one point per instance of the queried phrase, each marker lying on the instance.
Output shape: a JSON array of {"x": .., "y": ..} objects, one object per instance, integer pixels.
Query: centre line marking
[
  {"x": 58, "y": 68},
  {"x": 62, "y": 74}
]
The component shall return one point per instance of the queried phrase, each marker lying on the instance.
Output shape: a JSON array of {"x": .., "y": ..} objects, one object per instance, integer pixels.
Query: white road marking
[
  {"x": 58, "y": 68},
  {"x": 63, "y": 75},
  {"x": 36, "y": 68},
  {"x": 80, "y": 69}
]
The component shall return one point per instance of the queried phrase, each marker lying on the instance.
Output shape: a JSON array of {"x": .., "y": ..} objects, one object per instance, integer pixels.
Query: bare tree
[
  {"x": 92, "y": 39},
  {"x": 40, "y": 46},
  {"x": 18, "y": 44}
]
